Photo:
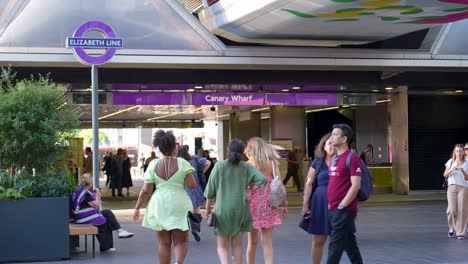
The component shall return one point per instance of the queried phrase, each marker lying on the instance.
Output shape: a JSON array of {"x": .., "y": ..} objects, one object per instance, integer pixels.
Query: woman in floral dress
[{"x": 264, "y": 157}]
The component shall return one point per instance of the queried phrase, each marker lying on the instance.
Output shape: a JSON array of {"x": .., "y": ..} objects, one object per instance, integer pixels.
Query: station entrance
[{"x": 207, "y": 116}]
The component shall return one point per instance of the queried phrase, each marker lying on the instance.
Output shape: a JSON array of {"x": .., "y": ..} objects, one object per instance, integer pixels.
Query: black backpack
[{"x": 366, "y": 179}]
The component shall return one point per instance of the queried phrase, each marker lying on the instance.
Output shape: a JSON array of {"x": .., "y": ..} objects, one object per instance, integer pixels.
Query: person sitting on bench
[{"x": 86, "y": 210}]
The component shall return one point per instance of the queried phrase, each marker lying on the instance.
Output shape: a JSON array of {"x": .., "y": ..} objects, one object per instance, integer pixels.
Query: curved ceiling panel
[
  {"x": 327, "y": 22},
  {"x": 143, "y": 24}
]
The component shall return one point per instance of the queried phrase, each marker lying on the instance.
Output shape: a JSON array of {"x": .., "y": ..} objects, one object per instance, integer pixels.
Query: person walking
[
  {"x": 148, "y": 160},
  {"x": 456, "y": 172},
  {"x": 88, "y": 165},
  {"x": 117, "y": 173},
  {"x": 368, "y": 154},
  {"x": 141, "y": 161},
  {"x": 107, "y": 167},
  {"x": 169, "y": 206},
  {"x": 196, "y": 194},
  {"x": 293, "y": 167},
  {"x": 228, "y": 183},
  {"x": 206, "y": 154},
  {"x": 315, "y": 204},
  {"x": 265, "y": 158},
  {"x": 126, "y": 172},
  {"x": 343, "y": 186},
  {"x": 466, "y": 150}
]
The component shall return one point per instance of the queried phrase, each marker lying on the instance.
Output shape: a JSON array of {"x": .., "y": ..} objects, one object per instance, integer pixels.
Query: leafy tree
[{"x": 35, "y": 119}]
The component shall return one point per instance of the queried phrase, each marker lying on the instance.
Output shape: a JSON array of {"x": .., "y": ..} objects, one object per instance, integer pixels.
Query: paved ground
[
  {"x": 295, "y": 199},
  {"x": 387, "y": 233}
]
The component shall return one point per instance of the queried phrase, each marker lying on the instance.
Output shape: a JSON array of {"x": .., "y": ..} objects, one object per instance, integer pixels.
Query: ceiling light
[
  {"x": 375, "y": 90},
  {"x": 260, "y": 109},
  {"x": 388, "y": 88},
  {"x": 285, "y": 90},
  {"x": 322, "y": 109},
  {"x": 177, "y": 113},
  {"x": 118, "y": 112},
  {"x": 383, "y": 101},
  {"x": 296, "y": 88},
  {"x": 191, "y": 90},
  {"x": 459, "y": 91},
  {"x": 198, "y": 87}
]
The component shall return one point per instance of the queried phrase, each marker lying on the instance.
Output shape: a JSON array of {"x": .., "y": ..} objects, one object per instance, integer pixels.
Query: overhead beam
[{"x": 85, "y": 124}]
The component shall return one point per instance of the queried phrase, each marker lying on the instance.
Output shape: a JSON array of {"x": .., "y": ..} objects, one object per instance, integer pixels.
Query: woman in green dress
[
  {"x": 228, "y": 183},
  {"x": 169, "y": 205}
]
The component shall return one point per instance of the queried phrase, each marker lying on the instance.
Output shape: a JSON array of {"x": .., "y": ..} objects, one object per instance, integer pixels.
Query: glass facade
[{"x": 142, "y": 24}]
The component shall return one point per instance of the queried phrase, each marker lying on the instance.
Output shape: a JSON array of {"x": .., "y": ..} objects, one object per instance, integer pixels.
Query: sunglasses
[{"x": 335, "y": 159}]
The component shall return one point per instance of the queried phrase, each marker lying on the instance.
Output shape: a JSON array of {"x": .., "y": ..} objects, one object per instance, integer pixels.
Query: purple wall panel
[
  {"x": 151, "y": 99},
  {"x": 301, "y": 99}
]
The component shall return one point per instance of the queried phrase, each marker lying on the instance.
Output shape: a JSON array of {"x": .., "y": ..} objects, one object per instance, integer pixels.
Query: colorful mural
[
  {"x": 394, "y": 11},
  {"x": 327, "y": 22}
]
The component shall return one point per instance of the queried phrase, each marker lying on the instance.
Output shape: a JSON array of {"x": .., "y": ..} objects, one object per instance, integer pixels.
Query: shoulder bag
[{"x": 212, "y": 217}]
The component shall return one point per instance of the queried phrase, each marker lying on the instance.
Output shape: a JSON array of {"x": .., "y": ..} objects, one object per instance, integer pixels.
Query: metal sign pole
[
  {"x": 95, "y": 112},
  {"x": 79, "y": 43}
]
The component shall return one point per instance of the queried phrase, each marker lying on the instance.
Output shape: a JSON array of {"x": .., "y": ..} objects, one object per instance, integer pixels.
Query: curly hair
[{"x": 165, "y": 141}]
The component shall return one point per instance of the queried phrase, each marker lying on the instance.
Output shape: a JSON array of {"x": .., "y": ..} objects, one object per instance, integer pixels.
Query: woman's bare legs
[
  {"x": 318, "y": 242},
  {"x": 164, "y": 246},
  {"x": 252, "y": 243},
  {"x": 267, "y": 245},
  {"x": 223, "y": 249},
  {"x": 180, "y": 240},
  {"x": 236, "y": 244}
]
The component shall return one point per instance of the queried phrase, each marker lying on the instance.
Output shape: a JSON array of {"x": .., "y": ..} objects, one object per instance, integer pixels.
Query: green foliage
[
  {"x": 36, "y": 121},
  {"x": 87, "y": 135},
  {"x": 35, "y": 118},
  {"x": 19, "y": 189},
  {"x": 53, "y": 184}
]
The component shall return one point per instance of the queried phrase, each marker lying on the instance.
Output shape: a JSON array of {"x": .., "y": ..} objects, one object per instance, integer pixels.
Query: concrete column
[
  {"x": 399, "y": 136},
  {"x": 244, "y": 125},
  {"x": 288, "y": 122}
]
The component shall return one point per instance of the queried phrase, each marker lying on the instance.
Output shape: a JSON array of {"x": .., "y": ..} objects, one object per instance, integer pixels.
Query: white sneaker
[
  {"x": 451, "y": 233},
  {"x": 110, "y": 250},
  {"x": 125, "y": 234}
]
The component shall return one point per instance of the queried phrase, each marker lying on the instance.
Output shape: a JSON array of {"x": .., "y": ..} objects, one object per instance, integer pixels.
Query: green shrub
[{"x": 36, "y": 121}]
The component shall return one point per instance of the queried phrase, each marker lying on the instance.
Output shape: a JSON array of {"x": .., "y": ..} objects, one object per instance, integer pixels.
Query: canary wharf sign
[{"x": 79, "y": 42}]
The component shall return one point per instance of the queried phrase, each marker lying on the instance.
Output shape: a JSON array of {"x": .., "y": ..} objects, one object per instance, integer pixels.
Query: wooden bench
[{"x": 84, "y": 229}]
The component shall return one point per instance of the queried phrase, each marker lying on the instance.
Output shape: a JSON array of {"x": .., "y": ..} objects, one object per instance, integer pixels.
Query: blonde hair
[
  {"x": 260, "y": 152},
  {"x": 85, "y": 180}
]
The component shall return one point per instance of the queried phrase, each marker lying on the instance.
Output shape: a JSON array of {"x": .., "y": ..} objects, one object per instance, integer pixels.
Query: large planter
[{"x": 34, "y": 229}]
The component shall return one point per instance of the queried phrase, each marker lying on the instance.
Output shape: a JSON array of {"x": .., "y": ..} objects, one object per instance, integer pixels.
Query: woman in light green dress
[
  {"x": 169, "y": 205},
  {"x": 228, "y": 183}
]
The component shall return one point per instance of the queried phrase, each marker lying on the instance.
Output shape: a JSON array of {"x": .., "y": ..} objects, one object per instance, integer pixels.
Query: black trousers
[
  {"x": 104, "y": 236},
  {"x": 116, "y": 183},
  {"x": 294, "y": 173},
  {"x": 342, "y": 237}
]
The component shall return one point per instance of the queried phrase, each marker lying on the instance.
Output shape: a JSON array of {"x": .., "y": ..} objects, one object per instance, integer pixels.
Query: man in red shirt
[{"x": 343, "y": 186}]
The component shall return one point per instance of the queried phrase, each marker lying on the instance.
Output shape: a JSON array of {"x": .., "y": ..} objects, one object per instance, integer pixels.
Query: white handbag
[{"x": 277, "y": 190}]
